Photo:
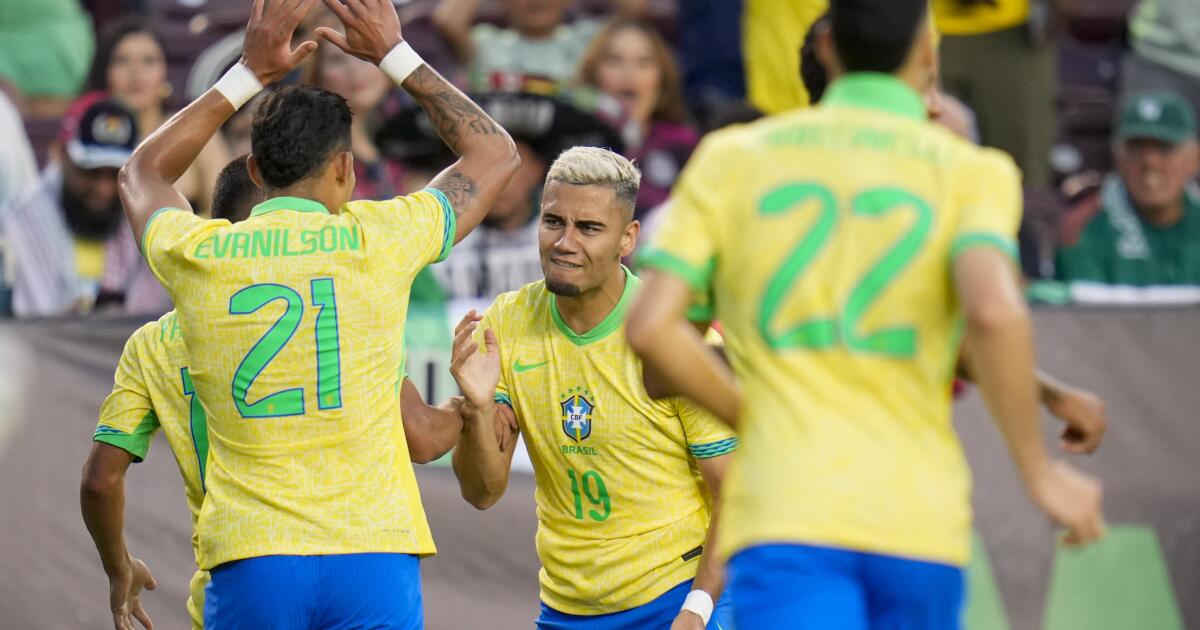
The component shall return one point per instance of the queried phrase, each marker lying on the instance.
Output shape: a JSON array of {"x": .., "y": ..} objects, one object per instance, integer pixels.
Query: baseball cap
[
  {"x": 1160, "y": 115},
  {"x": 104, "y": 136}
]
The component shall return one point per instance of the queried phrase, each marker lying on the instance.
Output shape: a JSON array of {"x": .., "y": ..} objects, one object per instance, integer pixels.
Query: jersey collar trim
[
  {"x": 611, "y": 322},
  {"x": 874, "y": 90},
  {"x": 288, "y": 203}
]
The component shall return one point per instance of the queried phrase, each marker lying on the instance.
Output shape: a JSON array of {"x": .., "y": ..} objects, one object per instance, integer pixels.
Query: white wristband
[
  {"x": 400, "y": 62},
  {"x": 701, "y": 603},
  {"x": 239, "y": 85}
]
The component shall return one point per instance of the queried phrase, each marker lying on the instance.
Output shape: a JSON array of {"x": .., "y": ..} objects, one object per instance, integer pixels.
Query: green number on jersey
[
  {"x": 289, "y": 402},
  {"x": 597, "y": 497},
  {"x": 198, "y": 422},
  {"x": 824, "y": 333}
]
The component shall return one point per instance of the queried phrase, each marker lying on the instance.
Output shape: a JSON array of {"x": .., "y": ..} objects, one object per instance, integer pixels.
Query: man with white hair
[{"x": 626, "y": 485}]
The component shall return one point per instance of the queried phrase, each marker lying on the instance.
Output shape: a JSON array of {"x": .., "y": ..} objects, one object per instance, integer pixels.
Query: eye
[{"x": 552, "y": 221}]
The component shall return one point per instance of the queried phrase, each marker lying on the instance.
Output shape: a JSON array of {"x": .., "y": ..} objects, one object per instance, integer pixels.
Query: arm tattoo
[
  {"x": 458, "y": 188},
  {"x": 455, "y": 117}
]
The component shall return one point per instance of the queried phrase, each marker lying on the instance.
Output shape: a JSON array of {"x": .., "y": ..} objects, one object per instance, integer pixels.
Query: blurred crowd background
[{"x": 1095, "y": 100}]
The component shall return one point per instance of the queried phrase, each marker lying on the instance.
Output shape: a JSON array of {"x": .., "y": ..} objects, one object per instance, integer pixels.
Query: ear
[
  {"x": 344, "y": 166},
  {"x": 629, "y": 239},
  {"x": 827, "y": 52},
  {"x": 255, "y": 173}
]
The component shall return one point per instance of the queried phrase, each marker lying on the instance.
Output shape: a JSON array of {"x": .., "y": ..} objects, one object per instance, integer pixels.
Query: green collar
[
  {"x": 611, "y": 322},
  {"x": 875, "y": 90},
  {"x": 288, "y": 203}
]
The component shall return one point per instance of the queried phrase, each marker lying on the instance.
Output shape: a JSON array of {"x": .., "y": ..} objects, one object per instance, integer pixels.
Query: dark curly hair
[
  {"x": 875, "y": 35},
  {"x": 297, "y": 129},
  {"x": 235, "y": 193}
]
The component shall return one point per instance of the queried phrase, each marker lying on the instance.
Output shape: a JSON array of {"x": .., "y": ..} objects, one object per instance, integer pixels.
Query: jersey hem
[
  {"x": 128, "y": 443},
  {"x": 983, "y": 239}
]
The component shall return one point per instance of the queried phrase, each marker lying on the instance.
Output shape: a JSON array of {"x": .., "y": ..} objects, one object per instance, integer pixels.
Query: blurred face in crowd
[
  {"x": 90, "y": 203},
  {"x": 361, "y": 83},
  {"x": 535, "y": 18},
  {"x": 1155, "y": 174},
  {"x": 629, "y": 71},
  {"x": 137, "y": 73},
  {"x": 514, "y": 206},
  {"x": 583, "y": 234}
]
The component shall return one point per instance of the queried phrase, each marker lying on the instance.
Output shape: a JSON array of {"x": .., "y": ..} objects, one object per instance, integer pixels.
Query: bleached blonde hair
[{"x": 593, "y": 166}]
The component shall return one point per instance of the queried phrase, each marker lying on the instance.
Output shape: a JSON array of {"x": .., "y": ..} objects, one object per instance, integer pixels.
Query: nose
[{"x": 568, "y": 243}]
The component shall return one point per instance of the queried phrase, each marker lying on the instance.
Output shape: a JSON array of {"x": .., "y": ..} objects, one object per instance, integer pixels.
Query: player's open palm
[
  {"x": 1073, "y": 500},
  {"x": 124, "y": 596},
  {"x": 267, "y": 50},
  {"x": 372, "y": 28},
  {"x": 477, "y": 374}
]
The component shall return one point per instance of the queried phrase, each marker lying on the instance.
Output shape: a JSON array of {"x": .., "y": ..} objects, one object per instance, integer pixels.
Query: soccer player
[
  {"x": 293, "y": 322},
  {"x": 844, "y": 245},
  {"x": 153, "y": 391},
  {"x": 626, "y": 485}
]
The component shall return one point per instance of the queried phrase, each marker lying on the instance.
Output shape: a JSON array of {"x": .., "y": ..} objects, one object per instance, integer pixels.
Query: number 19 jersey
[
  {"x": 622, "y": 509},
  {"x": 294, "y": 326},
  {"x": 827, "y": 237}
]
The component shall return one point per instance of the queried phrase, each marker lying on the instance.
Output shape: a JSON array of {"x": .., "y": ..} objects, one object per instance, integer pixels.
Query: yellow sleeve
[
  {"x": 686, "y": 242},
  {"x": 990, "y": 205},
  {"x": 166, "y": 238},
  {"x": 706, "y": 436},
  {"x": 772, "y": 33},
  {"x": 419, "y": 227},
  {"x": 127, "y": 418}
]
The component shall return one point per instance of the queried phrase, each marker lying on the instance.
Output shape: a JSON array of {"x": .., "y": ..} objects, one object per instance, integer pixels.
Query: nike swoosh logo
[{"x": 518, "y": 368}]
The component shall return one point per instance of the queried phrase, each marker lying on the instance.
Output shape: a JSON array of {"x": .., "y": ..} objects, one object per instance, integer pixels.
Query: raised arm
[
  {"x": 147, "y": 181},
  {"x": 102, "y": 500},
  {"x": 454, "y": 19},
  {"x": 483, "y": 459},
  {"x": 487, "y": 157},
  {"x": 999, "y": 343}
]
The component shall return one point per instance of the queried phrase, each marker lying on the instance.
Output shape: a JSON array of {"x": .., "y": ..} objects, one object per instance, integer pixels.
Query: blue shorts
[
  {"x": 655, "y": 615},
  {"x": 361, "y": 590},
  {"x": 798, "y": 586}
]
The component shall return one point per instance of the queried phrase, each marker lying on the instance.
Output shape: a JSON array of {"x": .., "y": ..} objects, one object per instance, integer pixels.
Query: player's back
[
  {"x": 294, "y": 323},
  {"x": 830, "y": 234}
]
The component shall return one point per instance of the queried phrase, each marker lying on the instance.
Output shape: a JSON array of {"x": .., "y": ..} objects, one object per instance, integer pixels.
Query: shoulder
[{"x": 528, "y": 297}]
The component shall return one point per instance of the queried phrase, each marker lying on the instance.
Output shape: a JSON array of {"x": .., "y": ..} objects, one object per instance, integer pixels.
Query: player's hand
[
  {"x": 267, "y": 50},
  {"x": 1083, "y": 412},
  {"x": 476, "y": 374},
  {"x": 124, "y": 595},
  {"x": 687, "y": 620},
  {"x": 372, "y": 28},
  {"x": 1071, "y": 499}
]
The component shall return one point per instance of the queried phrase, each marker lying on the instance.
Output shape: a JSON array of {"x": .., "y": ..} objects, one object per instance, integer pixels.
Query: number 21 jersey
[{"x": 294, "y": 327}]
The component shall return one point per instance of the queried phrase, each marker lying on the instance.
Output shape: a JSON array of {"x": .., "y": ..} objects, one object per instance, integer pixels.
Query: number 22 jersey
[
  {"x": 622, "y": 509},
  {"x": 294, "y": 326},
  {"x": 827, "y": 238}
]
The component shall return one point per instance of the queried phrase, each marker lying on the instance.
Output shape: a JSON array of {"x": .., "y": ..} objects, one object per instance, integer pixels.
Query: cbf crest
[{"x": 577, "y": 412}]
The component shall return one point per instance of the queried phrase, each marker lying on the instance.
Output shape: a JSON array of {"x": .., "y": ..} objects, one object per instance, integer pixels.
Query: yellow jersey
[
  {"x": 294, "y": 327},
  {"x": 954, "y": 17},
  {"x": 622, "y": 509},
  {"x": 827, "y": 237},
  {"x": 153, "y": 390},
  {"x": 772, "y": 33}
]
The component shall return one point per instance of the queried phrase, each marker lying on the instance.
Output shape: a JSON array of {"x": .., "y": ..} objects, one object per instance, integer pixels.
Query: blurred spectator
[
  {"x": 45, "y": 47},
  {"x": 72, "y": 250},
  {"x": 710, "y": 55},
  {"x": 365, "y": 88},
  {"x": 18, "y": 171},
  {"x": 995, "y": 60},
  {"x": 130, "y": 65},
  {"x": 773, "y": 31},
  {"x": 1147, "y": 230},
  {"x": 1166, "y": 44},
  {"x": 537, "y": 42},
  {"x": 630, "y": 62}
]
